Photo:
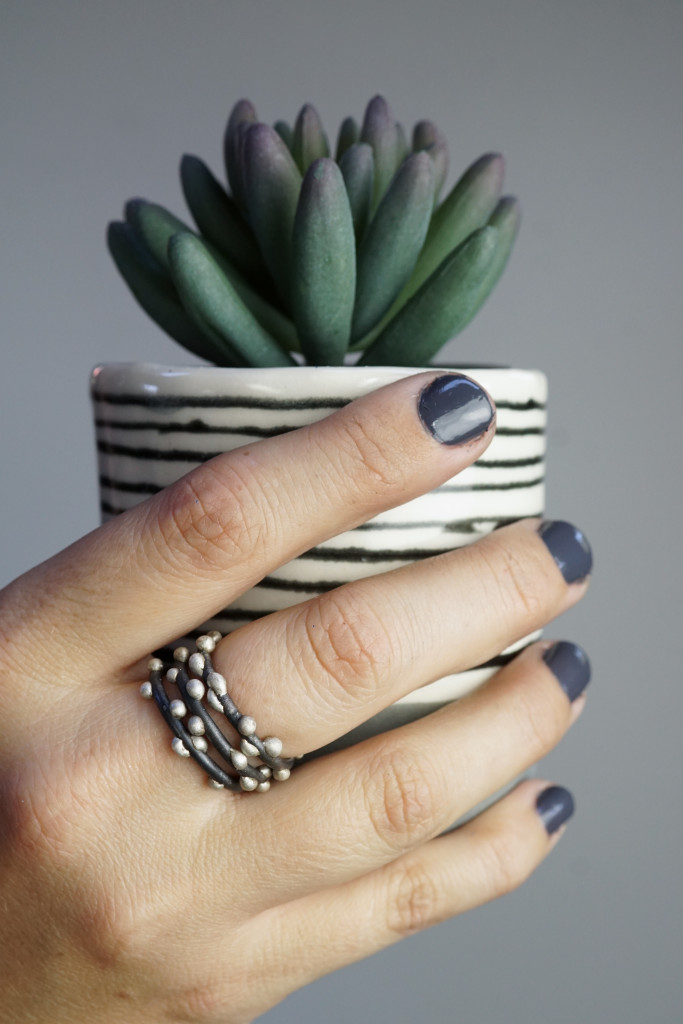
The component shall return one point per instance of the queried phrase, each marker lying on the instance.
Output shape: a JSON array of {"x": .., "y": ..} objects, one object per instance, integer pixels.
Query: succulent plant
[{"x": 309, "y": 257}]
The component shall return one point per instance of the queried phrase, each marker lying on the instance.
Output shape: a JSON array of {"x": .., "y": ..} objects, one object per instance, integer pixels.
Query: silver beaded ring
[{"x": 252, "y": 763}]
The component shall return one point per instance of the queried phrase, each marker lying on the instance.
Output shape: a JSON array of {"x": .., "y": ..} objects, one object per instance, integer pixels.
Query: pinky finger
[{"x": 483, "y": 859}]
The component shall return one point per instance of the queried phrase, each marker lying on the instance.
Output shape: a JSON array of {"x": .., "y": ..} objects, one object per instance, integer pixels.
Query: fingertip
[
  {"x": 555, "y": 806},
  {"x": 570, "y": 549},
  {"x": 455, "y": 409},
  {"x": 570, "y": 665},
  {"x": 554, "y": 839},
  {"x": 577, "y": 708}
]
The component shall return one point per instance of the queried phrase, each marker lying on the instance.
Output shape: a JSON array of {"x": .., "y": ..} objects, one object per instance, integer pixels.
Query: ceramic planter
[{"x": 155, "y": 423}]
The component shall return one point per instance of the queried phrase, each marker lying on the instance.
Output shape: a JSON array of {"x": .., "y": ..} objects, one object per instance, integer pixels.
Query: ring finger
[{"x": 383, "y": 797}]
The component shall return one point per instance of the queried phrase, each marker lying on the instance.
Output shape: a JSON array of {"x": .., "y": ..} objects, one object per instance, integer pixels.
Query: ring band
[{"x": 250, "y": 762}]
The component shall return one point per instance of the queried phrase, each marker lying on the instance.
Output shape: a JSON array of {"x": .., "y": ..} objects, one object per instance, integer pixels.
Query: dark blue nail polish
[
  {"x": 570, "y": 666},
  {"x": 455, "y": 409},
  {"x": 555, "y": 806},
  {"x": 569, "y": 548}
]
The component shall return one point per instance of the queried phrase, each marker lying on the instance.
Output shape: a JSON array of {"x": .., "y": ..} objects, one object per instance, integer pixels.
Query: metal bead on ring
[
  {"x": 243, "y": 762},
  {"x": 195, "y": 689}
]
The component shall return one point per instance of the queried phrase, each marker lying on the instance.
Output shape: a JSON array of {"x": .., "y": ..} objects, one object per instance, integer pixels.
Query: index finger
[{"x": 160, "y": 569}]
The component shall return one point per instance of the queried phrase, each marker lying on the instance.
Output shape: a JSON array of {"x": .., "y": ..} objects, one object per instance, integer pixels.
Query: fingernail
[
  {"x": 455, "y": 409},
  {"x": 569, "y": 548},
  {"x": 555, "y": 805},
  {"x": 570, "y": 666}
]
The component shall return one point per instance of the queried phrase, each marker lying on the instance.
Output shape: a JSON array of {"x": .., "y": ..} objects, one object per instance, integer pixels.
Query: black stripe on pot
[
  {"x": 510, "y": 486},
  {"x": 533, "y": 460},
  {"x": 217, "y": 402},
  {"x": 154, "y": 454},
  {"x": 225, "y": 401},
  {"x": 107, "y": 509},
  {"x": 528, "y": 406},
  {"x": 353, "y": 555},
  {"x": 193, "y": 427},
  {"x": 298, "y": 586},
  {"x": 479, "y": 525},
  {"x": 518, "y": 431},
  {"x": 132, "y": 487}
]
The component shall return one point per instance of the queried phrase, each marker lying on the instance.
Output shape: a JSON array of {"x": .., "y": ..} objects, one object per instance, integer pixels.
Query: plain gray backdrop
[{"x": 99, "y": 101}]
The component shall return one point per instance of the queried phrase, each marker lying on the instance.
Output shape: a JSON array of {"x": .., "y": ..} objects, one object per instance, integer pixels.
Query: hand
[{"x": 130, "y": 890}]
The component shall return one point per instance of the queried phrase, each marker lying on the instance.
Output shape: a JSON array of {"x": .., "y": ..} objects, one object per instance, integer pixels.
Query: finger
[
  {"x": 481, "y": 861},
  {"x": 342, "y": 657},
  {"x": 376, "y": 801},
  {"x": 160, "y": 569}
]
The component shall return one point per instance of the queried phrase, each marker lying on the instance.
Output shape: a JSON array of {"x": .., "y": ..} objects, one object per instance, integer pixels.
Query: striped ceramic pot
[{"x": 155, "y": 423}]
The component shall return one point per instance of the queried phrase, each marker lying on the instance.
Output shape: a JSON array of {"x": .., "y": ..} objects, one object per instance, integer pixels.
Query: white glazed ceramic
[{"x": 155, "y": 423}]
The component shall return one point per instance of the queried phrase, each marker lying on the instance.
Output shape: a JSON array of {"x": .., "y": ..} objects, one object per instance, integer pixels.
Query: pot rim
[{"x": 147, "y": 378}]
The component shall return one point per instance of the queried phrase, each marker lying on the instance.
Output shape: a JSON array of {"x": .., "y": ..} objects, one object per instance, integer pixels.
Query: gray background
[{"x": 584, "y": 99}]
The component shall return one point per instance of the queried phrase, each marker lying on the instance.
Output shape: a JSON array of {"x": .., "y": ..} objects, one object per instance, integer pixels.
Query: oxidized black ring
[{"x": 249, "y": 763}]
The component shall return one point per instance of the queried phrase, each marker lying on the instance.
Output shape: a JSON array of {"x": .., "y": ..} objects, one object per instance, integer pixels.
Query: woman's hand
[{"x": 130, "y": 890}]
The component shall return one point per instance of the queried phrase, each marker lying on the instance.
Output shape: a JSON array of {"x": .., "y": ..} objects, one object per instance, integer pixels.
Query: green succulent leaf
[
  {"x": 324, "y": 259},
  {"x": 444, "y": 304},
  {"x": 273, "y": 182},
  {"x": 218, "y": 217},
  {"x": 402, "y": 144},
  {"x": 467, "y": 207},
  {"x": 154, "y": 226},
  {"x": 505, "y": 219},
  {"x": 349, "y": 133},
  {"x": 380, "y": 131},
  {"x": 285, "y": 132},
  {"x": 152, "y": 287},
  {"x": 213, "y": 303},
  {"x": 242, "y": 115},
  {"x": 275, "y": 323},
  {"x": 309, "y": 142},
  {"x": 427, "y": 137},
  {"x": 393, "y": 241},
  {"x": 358, "y": 170}
]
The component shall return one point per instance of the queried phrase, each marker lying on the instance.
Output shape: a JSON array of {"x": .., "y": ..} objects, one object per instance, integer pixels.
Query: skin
[{"x": 130, "y": 891}]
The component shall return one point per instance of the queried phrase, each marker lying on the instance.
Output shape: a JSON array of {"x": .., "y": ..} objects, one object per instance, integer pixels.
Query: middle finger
[{"x": 313, "y": 672}]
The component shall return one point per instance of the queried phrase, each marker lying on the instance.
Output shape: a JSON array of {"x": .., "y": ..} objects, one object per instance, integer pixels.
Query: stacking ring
[{"x": 249, "y": 763}]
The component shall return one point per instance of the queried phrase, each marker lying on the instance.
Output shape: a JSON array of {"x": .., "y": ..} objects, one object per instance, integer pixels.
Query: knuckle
[
  {"x": 37, "y": 815},
  {"x": 402, "y": 799},
  {"x": 524, "y": 590},
  {"x": 505, "y": 860},
  {"x": 108, "y": 928},
  {"x": 211, "y": 521},
  {"x": 347, "y": 643},
  {"x": 204, "y": 1003},
  {"x": 540, "y": 721},
  {"x": 24, "y": 625},
  {"x": 414, "y": 900},
  {"x": 378, "y": 461}
]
